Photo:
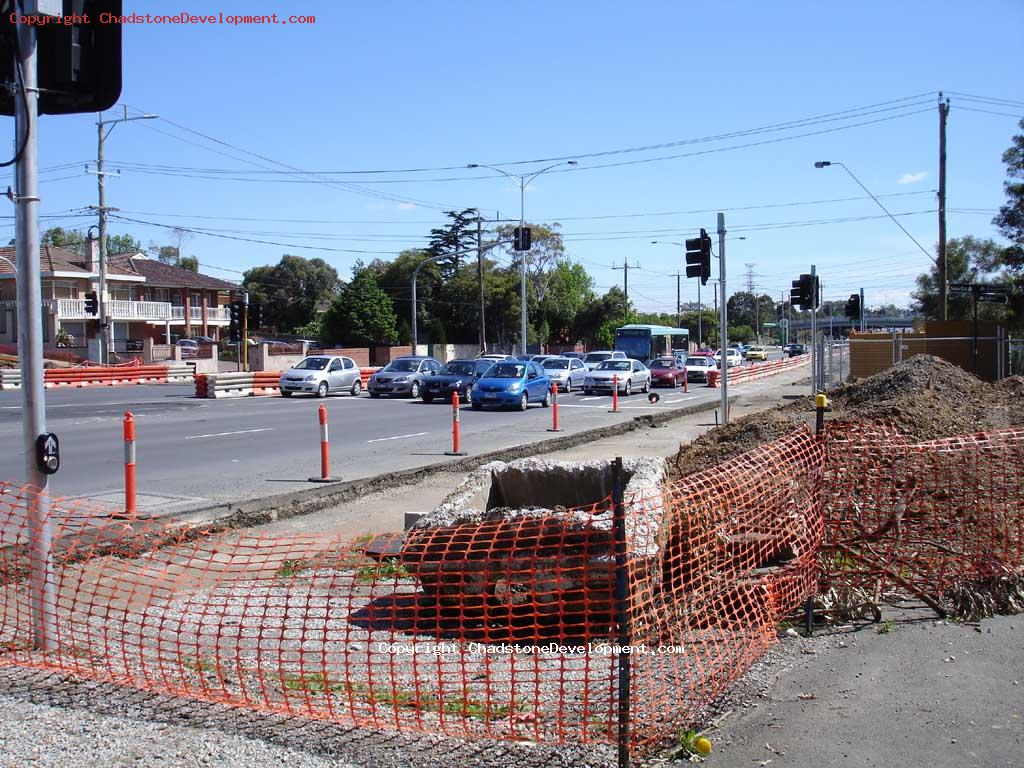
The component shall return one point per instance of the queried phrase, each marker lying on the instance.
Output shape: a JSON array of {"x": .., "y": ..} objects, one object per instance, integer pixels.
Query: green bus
[{"x": 649, "y": 342}]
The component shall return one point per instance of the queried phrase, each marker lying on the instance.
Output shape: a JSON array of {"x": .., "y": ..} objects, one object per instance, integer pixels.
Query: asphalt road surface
[{"x": 193, "y": 451}]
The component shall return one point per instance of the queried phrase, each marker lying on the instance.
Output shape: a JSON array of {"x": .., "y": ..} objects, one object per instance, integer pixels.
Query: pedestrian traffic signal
[
  {"x": 805, "y": 292},
  {"x": 521, "y": 237},
  {"x": 255, "y": 316},
  {"x": 92, "y": 303},
  {"x": 78, "y": 59},
  {"x": 698, "y": 257},
  {"x": 235, "y": 310},
  {"x": 853, "y": 306}
]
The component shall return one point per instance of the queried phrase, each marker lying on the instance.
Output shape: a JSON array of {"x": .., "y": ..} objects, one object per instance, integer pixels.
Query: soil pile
[{"x": 925, "y": 397}]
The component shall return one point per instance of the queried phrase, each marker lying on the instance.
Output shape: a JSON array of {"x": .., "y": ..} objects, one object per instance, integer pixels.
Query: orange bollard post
[
  {"x": 554, "y": 409},
  {"x": 129, "y": 463},
  {"x": 456, "y": 448},
  {"x": 325, "y": 451},
  {"x": 686, "y": 381},
  {"x": 615, "y": 394}
]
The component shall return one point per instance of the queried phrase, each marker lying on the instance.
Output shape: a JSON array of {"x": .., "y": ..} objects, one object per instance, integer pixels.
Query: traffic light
[
  {"x": 698, "y": 257},
  {"x": 92, "y": 303},
  {"x": 235, "y": 310},
  {"x": 805, "y": 292},
  {"x": 79, "y": 63},
  {"x": 521, "y": 239},
  {"x": 255, "y": 316},
  {"x": 853, "y": 306}
]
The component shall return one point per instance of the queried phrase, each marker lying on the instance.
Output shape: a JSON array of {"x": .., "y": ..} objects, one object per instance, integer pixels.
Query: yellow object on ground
[{"x": 702, "y": 745}]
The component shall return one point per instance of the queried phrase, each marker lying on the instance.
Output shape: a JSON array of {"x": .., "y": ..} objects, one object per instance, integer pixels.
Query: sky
[{"x": 265, "y": 133}]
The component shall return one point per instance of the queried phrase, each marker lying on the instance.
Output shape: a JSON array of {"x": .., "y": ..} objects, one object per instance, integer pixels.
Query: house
[{"x": 145, "y": 298}]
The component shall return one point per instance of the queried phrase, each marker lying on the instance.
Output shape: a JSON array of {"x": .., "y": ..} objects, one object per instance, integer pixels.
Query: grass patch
[
  {"x": 199, "y": 664},
  {"x": 886, "y": 627},
  {"x": 390, "y": 568},
  {"x": 291, "y": 568},
  {"x": 311, "y": 682}
]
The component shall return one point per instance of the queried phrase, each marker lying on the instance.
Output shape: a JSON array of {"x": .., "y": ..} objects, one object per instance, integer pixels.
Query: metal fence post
[{"x": 621, "y": 608}]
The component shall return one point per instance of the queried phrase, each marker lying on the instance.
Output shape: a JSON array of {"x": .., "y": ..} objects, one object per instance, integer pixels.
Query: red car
[{"x": 667, "y": 372}]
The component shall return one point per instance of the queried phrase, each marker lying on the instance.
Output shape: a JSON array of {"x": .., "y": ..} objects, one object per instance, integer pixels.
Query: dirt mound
[{"x": 925, "y": 397}]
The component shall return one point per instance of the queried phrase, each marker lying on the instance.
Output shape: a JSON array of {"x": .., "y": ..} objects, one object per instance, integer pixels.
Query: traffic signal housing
[
  {"x": 255, "y": 316},
  {"x": 92, "y": 303},
  {"x": 79, "y": 64},
  {"x": 853, "y": 306},
  {"x": 235, "y": 310},
  {"x": 698, "y": 257},
  {"x": 804, "y": 293},
  {"x": 521, "y": 239}
]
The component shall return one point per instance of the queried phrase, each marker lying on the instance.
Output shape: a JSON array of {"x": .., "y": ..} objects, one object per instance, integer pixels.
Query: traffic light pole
[
  {"x": 724, "y": 320},
  {"x": 862, "y": 325},
  {"x": 30, "y": 341},
  {"x": 245, "y": 329},
  {"x": 814, "y": 332}
]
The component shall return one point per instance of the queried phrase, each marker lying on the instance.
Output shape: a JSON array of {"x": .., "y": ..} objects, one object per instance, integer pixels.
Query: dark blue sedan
[
  {"x": 455, "y": 376},
  {"x": 512, "y": 384}
]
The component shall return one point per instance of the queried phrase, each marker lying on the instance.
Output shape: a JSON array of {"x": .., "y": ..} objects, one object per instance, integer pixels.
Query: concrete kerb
[{"x": 268, "y": 509}]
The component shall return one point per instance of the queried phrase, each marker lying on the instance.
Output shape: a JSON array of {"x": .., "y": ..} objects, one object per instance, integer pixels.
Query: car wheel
[
  {"x": 587, "y": 391},
  {"x": 628, "y": 389},
  {"x": 428, "y": 398},
  {"x": 285, "y": 394},
  {"x": 568, "y": 386},
  {"x": 546, "y": 402},
  {"x": 414, "y": 390},
  {"x": 357, "y": 388},
  {"x": 524, "y": 402},
  {"x": 321, "y": 391},
  {"x": 375, "y": 395},
  {"x": 675, "y": 383},
  {"x": 647, "y": 386},
  {"x": 469, "y": 396}
]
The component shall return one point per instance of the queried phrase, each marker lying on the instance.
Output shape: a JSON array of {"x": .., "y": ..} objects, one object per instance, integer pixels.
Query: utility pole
[
  {"x": 42, "y": 588},
  {"x": 814, "y": 334},
  {"x": 101, "y": 209},
  {"x": 943, "y": 287},
  {"x": 863, "y": 326},
  {"x": 679, "y": 303},
  {"x": 245, "y": 330},
  {"x": 480, "y": 280},
  {"x": 625, "y": 282},
  {"x": 724, "y": 333}
]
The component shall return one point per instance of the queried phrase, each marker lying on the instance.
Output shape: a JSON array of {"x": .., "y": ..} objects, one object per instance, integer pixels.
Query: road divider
[
  {"x": 760, "y": 370},
  {"x": 554, "y": 408},
  {"x": 250, "y": 383},
  {"x": 102, "y": 376}
]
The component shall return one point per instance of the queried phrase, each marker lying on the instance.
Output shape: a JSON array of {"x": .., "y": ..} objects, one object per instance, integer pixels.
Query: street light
[{"x": 523, "y": 181}]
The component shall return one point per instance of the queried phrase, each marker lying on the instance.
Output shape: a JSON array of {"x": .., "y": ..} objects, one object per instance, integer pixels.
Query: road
[{"x": 195, "y": 451}]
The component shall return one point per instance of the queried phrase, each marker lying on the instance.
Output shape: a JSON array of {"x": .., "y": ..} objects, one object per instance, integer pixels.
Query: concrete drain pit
[{"x": 525, "y": 550}]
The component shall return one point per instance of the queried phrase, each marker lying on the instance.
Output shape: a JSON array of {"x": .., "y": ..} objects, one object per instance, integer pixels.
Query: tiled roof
[
  {"x": 165, "y": 276},
  {"x": 53, "y": 258}
]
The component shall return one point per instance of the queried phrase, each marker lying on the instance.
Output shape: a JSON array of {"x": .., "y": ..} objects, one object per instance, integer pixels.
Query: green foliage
[
  {"x": 886, "y": 627},
  {"x": 291, "y": 568},
  {"x": 292, "y": 291},
  {"x": 74, "y": 240},
  {"x": 457, "y": 236},
  {"x": 740, "y": 333},
  {"x": 361, "y": 315},
  {"x": 390, "y": 568},
  {"x": 313, "y": 330},
  {"x": 1010, "y": 220},
  {"x": 968, "y": 260}
]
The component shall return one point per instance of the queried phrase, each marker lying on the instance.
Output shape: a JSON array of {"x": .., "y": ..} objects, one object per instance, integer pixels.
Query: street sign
[{"x": 48, "y": 453}]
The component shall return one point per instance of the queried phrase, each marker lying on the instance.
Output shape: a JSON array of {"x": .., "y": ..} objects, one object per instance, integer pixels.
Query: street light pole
[
  {"x": 523, "y": 182},
  {"x": 101, "y": 294}
]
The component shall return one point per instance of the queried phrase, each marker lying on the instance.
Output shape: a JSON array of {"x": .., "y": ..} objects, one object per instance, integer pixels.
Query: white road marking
[
  {"x": 680, "y": 400},
  {"x": 224, "y": 434},
  {"x": 397, "y": 437},
  {"x": 593, "y": 397}
]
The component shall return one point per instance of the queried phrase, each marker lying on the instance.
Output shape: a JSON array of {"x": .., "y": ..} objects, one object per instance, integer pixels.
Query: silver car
[
  {"x": 320, "y": 375},
  {"x": 594, "y": 359},
  {"x": 402, "y": 376},
  {"x": 567, "y": 372},
  {"x": 632, "y": 375}
]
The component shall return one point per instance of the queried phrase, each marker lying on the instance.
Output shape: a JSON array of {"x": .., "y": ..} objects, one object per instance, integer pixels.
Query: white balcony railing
[
  {"x": 195, "y": 314},
  {"x": 117, "y": 309}
]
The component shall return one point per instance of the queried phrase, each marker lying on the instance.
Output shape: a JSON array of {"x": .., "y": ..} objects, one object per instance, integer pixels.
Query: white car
[
  {"x": 697, "y": 367},
  {"x": 629, "y": 375},
  {"x": 320, "y": 375},
  {"x": 594, "y": 359},
  {"x": 733, "y": 357}
]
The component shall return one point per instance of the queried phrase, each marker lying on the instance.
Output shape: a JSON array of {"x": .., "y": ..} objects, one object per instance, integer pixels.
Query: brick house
[{"x": 145, "y": 299}]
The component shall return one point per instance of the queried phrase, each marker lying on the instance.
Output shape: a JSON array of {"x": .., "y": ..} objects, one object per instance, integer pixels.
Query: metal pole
[
  {"x": 522, "y": 227},
  {"x": 30, "y": 344},
  {"x": 102, "y": 292},
  {"x": 679, "y": 305},
  {"x": 480, "y": 280},
  {"x": 245, "y": 329},
  {"x": 814, "y": 334},
  {"x": 415, "y": 335},
  {"x": 621, "y": 608},
  {"x": 724, "y": 319},
  {"x": 700, "y": 335},
  {"x": 942, "y": 269},
  {"x": 862, "y": 311}
]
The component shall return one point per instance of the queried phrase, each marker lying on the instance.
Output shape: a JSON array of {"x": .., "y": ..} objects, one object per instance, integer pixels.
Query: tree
[
  {"x": 457, "y": 236},
  {"x": 74, "y": 240},
  {"x": 547, "y": 250},
  {"x": 292, "y": 291},
  {"x": 750, "y": 309},
  {"x": 123, "y": 244},
  {"x": 968, "y": 260},
  {"x": 1010, "y": 220},
  {"x": 361, "y": 315},
  {"x": 597, "y": 320},
  {"x": 171, "y": 254},
  {"x": 570, "y": 288}
]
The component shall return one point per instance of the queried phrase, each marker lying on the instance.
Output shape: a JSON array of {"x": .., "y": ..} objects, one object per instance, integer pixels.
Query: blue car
[
  {"x": 513, "y": 384},
  {"x": 455, "y": 376}
]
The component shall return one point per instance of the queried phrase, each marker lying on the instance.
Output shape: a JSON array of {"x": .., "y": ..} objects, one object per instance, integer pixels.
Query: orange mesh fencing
[{"x": 507, "y": 627}]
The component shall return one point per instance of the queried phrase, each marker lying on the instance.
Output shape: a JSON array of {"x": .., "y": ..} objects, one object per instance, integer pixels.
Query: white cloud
[
  {"x": 407, "y": 206},
  {"x": 912, "y": 178}
]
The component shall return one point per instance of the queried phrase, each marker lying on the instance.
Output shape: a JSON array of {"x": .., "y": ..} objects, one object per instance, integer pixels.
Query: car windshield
[
  {"x": 458, "y": 368},
  {"x": 663, "y": 364},
  {"x": 554, "y": 362},
  {"x": 614, "y": 365},
  {"x": 402, "y": 366},
  {"x": 698, "y": 361},
  {"x": 506, "y": 371},
  {"x": 313, "y": 364},
  {"x": 597, "y": 357}
]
